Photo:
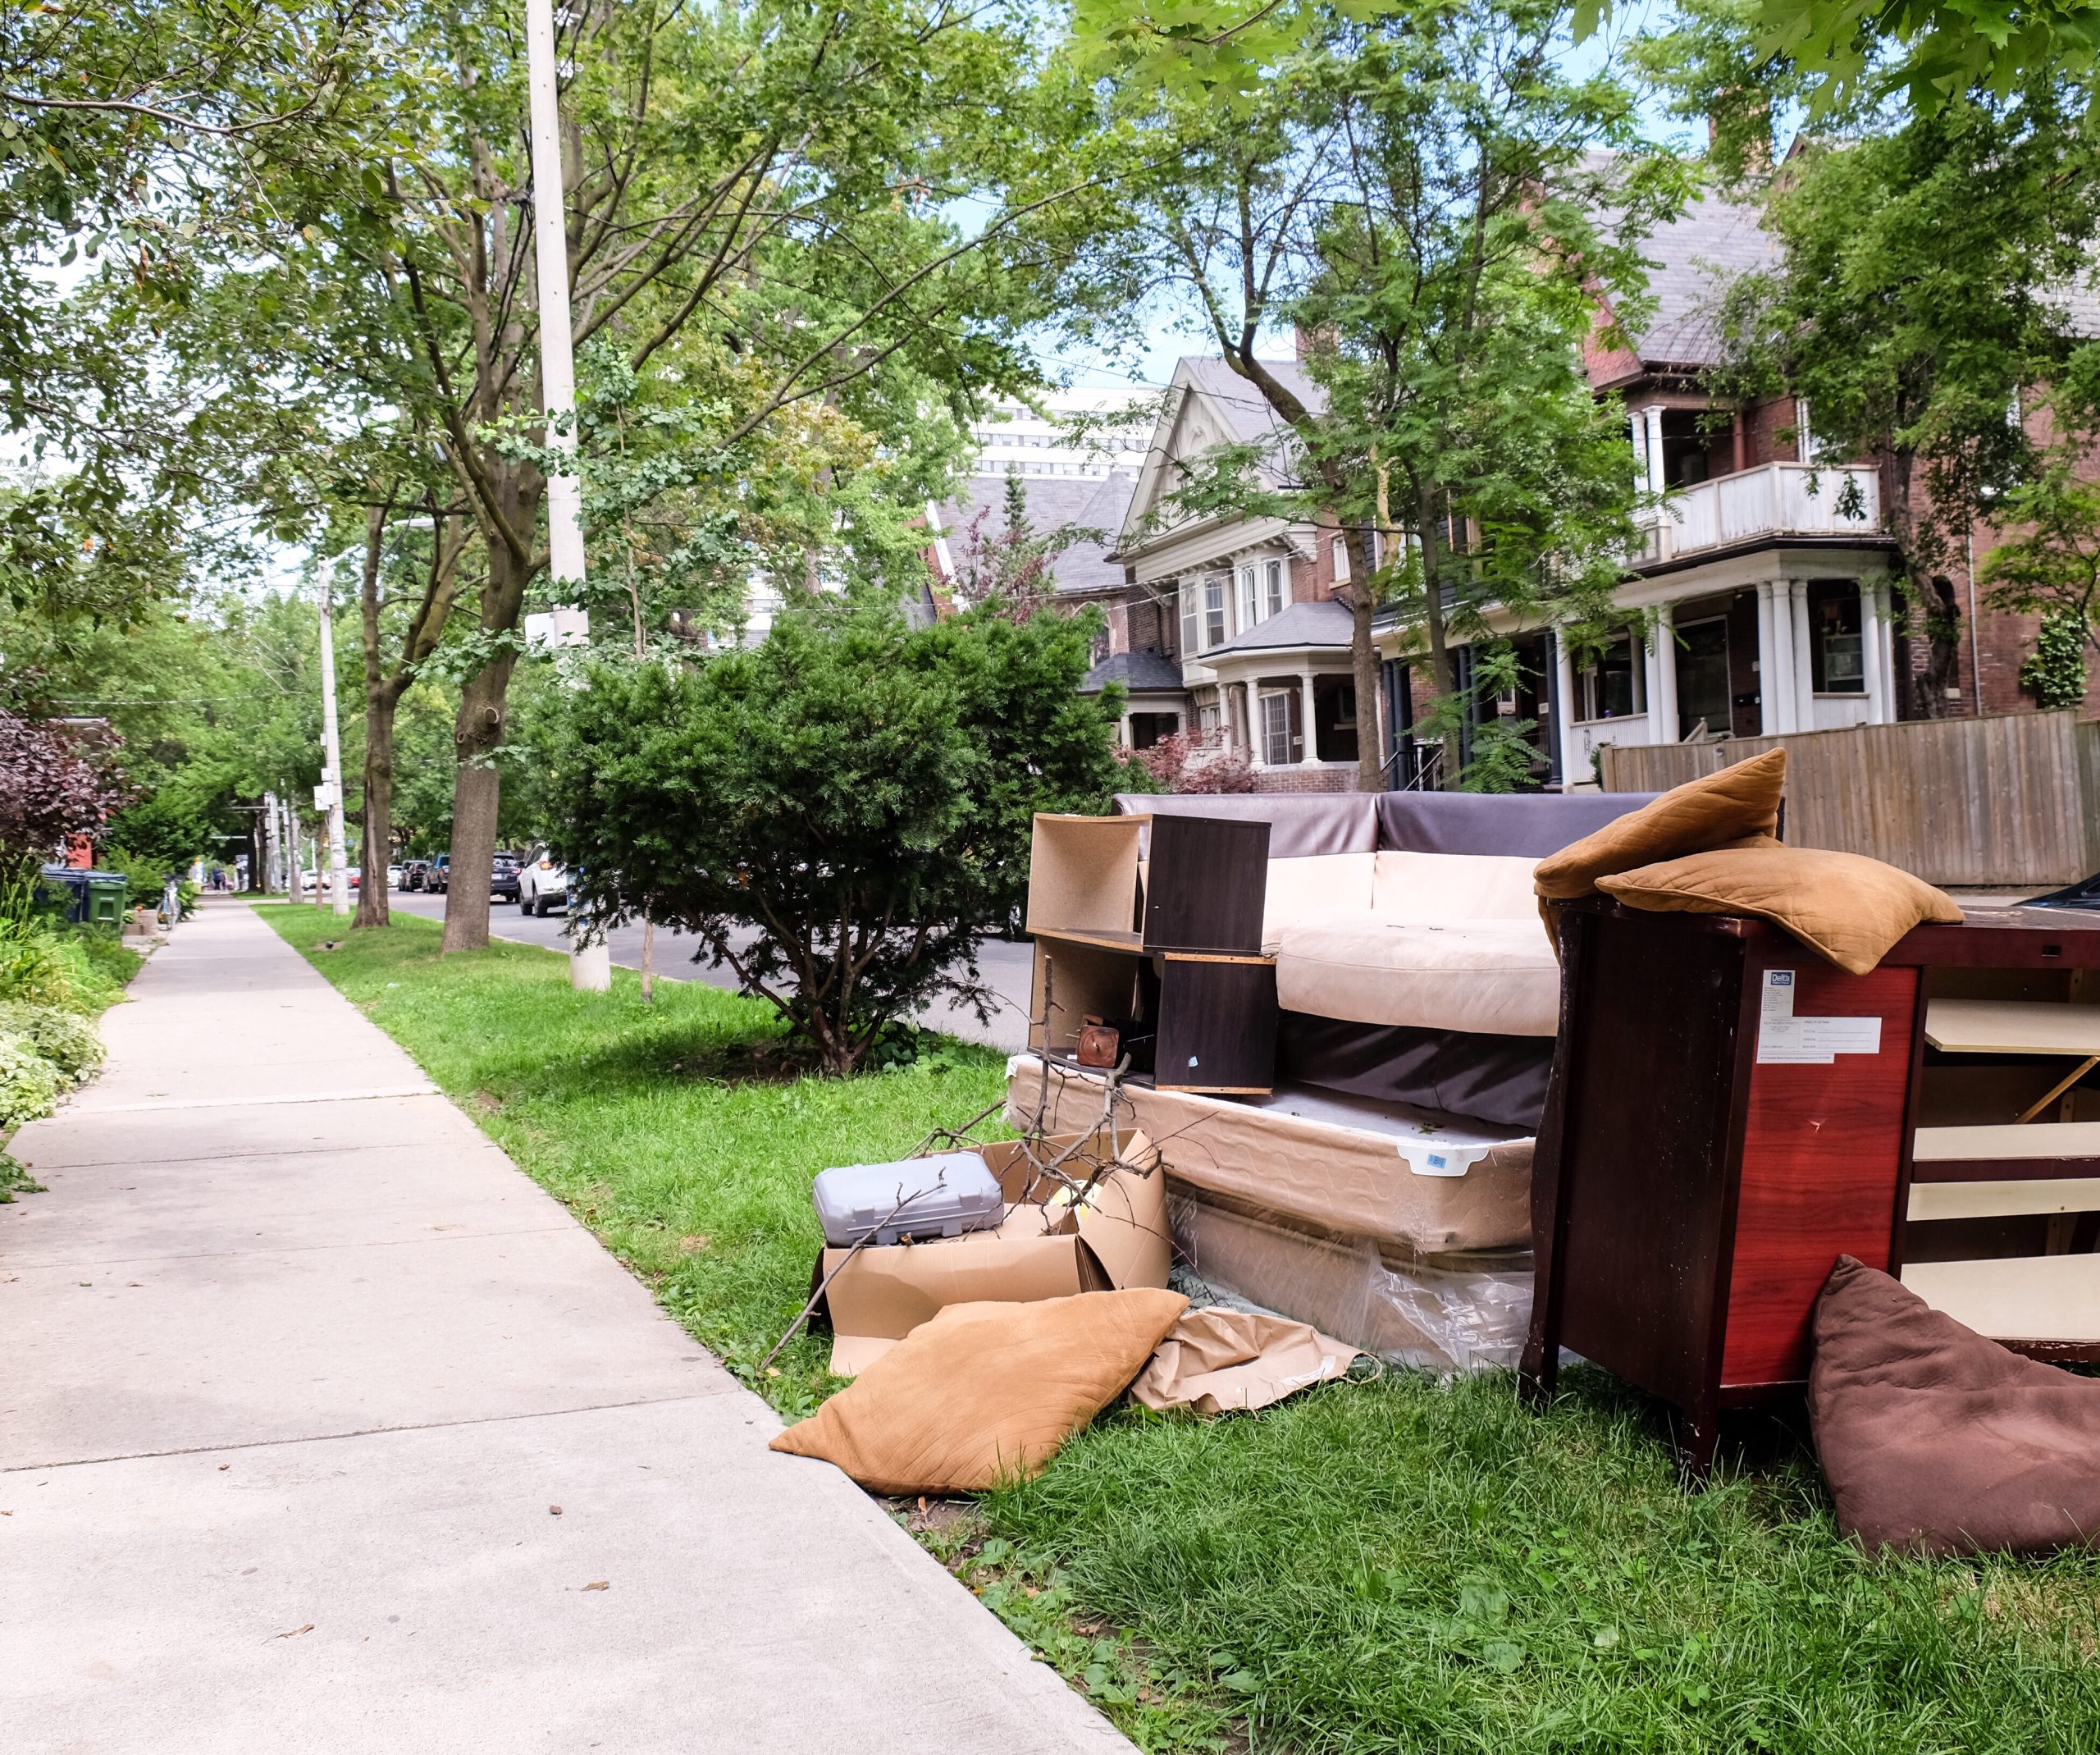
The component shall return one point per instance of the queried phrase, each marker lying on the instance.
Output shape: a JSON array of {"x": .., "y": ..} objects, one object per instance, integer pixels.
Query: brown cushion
[
  {"x": 985, "y": 1392},
  {"x": 1742, "y": 800},
  {"x": 1843, "y": 906},
  {"x": 1936, "y": 1440}
]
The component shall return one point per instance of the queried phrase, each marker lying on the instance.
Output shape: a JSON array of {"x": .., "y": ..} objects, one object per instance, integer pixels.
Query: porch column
[
  {"x": 1870, "y": 619},
  {"x": 1804, "y": 675},
  {"x": 1637, "y": 421},
  {"x": 1311, "y": 750},
  {"x": 1653, "y": 415},
  {"x": 1771, "y": 720},
  {"x": 1250, "y": 702},
  {"x": 1885, "y": 629},
  {"x": 1664, "y": 707},
  {"x": 1564, "y": 705}
]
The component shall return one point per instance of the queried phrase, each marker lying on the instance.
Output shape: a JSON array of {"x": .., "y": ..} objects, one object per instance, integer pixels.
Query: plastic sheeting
[{"x": 1468, "y": 1311}]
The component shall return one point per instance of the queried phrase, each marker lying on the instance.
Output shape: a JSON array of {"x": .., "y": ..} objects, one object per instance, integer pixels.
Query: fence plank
[{"x": 2006, "y": 799}]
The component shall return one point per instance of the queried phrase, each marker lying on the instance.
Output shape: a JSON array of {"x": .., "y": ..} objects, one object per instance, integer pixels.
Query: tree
[
  {"x": 1418, "y": 194},
  {"x": 839, "y": 813},
  {"x": 1920, "y": 299},
  {"x": 51, "y": 789},
  {"x": 2052, "y": 569},
  {"x": 773, "y": 178}
]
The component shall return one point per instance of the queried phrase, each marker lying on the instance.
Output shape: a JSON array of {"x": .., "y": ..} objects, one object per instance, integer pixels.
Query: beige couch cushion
[
  {"x": 1493, "y": 977},
  {"x": 1313, "y": 887},
  {"x": 1453, "y": 887},
  {"x": 1738, "y": 804}
]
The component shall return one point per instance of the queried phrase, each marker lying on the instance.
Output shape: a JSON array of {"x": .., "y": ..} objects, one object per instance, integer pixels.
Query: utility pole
[
  {"x": 590, "y": 965},
  {"x": 332, "y": 777},
  {"x": 551, "y": 241}
]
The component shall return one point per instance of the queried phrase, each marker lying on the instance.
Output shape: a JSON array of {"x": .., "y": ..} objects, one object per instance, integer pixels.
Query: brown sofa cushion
[
  {"x": 985, "y": 1392},
  {"x": 1843, "y": 905},
  {"x": 1937, "y": 1441},
  {"x": 1739, "y": 802}
]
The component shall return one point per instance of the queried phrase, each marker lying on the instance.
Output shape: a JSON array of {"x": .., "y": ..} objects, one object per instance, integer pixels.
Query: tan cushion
[
  {"x": 1495, "y": 977},
  {"x": 1740, "y": 801},
  {"x": 1845, "y": 907},
  {"x": 1320, "y": 884},
  {"x": 985, "y": 1393},
  {"x": 1453, "y": 886},
  {"x": 1218, "y": 1360}
]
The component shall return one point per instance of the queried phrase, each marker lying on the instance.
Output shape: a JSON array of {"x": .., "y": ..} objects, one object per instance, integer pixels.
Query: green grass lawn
[{"x": 1402, "y": 1564}]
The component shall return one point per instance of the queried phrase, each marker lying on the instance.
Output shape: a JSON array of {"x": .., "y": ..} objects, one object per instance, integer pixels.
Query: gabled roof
[
  {"x": 1140, "y": 672},
  {"x": 1208, "y": 405},
  {"x": 1692, "y": 261},
  {"x": 1056, "y": 504},
  {"x": 1325, "y": 621}
]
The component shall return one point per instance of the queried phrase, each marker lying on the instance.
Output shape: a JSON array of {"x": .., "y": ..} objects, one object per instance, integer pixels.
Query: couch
[{"x": 1411, "y": 963}]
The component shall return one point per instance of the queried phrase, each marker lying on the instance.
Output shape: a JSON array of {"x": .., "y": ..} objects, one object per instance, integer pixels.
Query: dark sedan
[{"x": 503, "y": 879}]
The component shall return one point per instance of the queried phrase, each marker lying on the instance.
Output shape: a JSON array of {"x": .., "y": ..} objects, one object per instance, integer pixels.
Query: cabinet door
[
  {"x": 1217, "y": 1025},
  {"x": 1822, "y": 1157}
]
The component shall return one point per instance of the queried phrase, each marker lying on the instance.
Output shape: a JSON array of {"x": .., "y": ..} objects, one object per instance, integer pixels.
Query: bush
[
  {"x": 840, "y": 813},
  {"x": 29, "y": 1085},
  {"x": 43, "y": 964},
  {"x": 65, "y": 1039}
]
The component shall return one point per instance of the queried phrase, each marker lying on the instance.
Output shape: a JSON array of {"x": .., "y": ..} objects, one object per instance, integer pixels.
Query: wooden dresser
[{"x": 1728, "y": 1113}]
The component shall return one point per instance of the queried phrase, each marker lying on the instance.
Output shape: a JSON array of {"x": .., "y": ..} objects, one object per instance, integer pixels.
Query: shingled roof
[{"x": 1056, "y": 503}]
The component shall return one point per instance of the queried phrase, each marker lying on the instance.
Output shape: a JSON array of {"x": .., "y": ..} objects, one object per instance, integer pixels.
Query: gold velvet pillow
[
  {"x": 1846, "y": 906},
  {"x": 985, "y": 1392},
  {"x": 1739, "y": 802}
]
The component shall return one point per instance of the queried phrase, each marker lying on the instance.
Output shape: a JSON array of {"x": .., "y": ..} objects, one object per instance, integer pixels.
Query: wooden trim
[
  {"x": 1906, "y": 1146},
  {"x": 2003, "y": 1169},
  {"x": 1538, "y": 1371},
  {"x": 1214, "y": 956},
  {"x": 1221, "y": 1090},
  {"x": 1107, "y": 941}
]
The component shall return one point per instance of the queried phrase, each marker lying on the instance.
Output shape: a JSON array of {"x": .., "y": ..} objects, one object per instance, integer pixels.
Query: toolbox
[{"x": 952, "y": 1193}]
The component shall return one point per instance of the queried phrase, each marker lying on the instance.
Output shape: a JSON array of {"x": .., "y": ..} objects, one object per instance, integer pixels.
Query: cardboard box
[{"x": 1040, "y": 1250}]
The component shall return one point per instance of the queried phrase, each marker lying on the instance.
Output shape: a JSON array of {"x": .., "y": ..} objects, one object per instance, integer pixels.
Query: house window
[
  {"x": 1341, "y": 551},
  {"x": 1607, "y": 687},
  {"x": 1250, "y": 597},
  {"x": 1148, "y": 728},
  {"x": 1273, "y": 588},
  {"x": 1213, "y": 612},
  {"x": 1837, "y": 649},
  {"x": 1189, "y": 642},
  {"x": 1280, "y": 736}
]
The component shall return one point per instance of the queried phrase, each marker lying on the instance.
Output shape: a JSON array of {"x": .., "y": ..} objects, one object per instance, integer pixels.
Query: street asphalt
[
  {"x": 324, "y": 1431},
  {"x": 1006, "y": 966}
]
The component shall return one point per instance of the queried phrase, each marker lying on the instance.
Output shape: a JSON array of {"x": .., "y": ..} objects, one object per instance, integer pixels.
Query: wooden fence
[{"x": 2010, "y": 799}]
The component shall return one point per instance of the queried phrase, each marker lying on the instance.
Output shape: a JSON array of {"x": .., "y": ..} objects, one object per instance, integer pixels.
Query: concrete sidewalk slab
[{"x": 332, "y": 1364}]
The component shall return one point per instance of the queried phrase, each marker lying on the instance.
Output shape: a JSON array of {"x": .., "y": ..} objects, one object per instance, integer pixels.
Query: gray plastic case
[{"x": 961, "y": 1194}]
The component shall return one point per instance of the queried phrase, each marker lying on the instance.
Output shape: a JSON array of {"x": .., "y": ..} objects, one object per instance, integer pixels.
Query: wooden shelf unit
[
  {"x": 1157, "y": 921},
  {"x": 1691, "y": 1193}
]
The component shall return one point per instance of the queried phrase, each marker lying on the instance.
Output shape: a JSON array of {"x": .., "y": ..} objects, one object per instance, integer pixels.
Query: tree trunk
[
  {"x": 1930, "y": 597},
  {"x": 1363, "y": 663},
  {"x": 1441, "y": 676},
  {"x": 477, "y": 733},
  {"x": 372, "y": 902},
  {"x": 477, "y": 790}
]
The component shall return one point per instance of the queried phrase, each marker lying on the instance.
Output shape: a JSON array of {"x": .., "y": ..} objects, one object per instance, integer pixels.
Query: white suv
[{"x": 542, "y": 883}]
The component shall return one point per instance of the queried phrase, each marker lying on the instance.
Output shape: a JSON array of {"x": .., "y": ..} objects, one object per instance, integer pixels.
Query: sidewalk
[{"x": 293, "y": 1367}]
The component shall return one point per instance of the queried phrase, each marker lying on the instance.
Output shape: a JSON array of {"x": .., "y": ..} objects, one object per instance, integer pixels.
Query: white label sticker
[{"x": 1784, "y": 1039}]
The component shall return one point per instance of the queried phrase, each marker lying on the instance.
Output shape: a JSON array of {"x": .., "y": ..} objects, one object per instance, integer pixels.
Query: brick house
[{"x": 1768, "y": 567}]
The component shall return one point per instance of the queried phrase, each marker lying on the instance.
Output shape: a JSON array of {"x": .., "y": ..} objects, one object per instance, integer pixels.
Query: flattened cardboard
[{"x": 1120, "y": 1241}]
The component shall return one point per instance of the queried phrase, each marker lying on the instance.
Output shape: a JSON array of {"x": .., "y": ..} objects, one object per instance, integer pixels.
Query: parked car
[
  {"x": 503, "y": 878},
  {"x": 393, "y": 877},
  {"x": 438, "y": 880},
  {"x": 412, "y": 873},
  {"x": 542, "y": 883}
]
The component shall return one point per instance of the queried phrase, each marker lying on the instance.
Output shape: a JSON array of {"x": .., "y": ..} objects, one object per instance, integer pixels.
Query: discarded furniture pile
[
  {"x": 1747, "y": 1125},
  {"x": 1338, "y": 1013}
]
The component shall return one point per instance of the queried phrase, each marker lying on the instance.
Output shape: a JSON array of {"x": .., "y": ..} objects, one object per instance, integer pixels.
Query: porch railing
[{"x": 1775, "y": 500}]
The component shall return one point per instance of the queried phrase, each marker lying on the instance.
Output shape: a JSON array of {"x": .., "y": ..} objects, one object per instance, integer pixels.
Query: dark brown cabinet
[{"x": 1728, "y": 1113}]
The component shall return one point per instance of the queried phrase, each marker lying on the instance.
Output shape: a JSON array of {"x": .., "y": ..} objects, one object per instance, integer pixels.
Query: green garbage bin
[{"x": 104, "y": 904}]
